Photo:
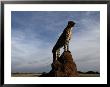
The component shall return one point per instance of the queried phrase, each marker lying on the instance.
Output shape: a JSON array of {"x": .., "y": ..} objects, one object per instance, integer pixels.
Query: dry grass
[{"x": 89, "y": 75}]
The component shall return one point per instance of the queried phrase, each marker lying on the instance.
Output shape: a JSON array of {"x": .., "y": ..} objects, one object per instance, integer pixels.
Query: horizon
[{"x": 47, "y": 72}]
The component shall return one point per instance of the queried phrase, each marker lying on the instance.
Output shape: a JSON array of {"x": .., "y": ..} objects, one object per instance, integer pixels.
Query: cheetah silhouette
[{"x": 63, "y": 40}]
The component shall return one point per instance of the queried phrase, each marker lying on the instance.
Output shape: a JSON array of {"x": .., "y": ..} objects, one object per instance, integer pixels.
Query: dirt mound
[{"x": 63, "y": 67}]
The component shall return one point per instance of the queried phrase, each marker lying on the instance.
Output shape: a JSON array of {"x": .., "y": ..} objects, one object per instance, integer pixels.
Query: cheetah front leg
[{"x": 68, "y": 46}]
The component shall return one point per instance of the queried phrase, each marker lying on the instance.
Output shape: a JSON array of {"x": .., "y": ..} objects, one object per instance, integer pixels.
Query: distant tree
[
  {"x": 80, "y": 72},
  {"x": 44, "y": 73},
  {"x": 90, "y": 72},
  {"x": 97, "y": 72}
]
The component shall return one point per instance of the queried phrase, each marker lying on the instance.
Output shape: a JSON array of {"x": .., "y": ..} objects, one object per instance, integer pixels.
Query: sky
[{"x": 34, "y": 34}]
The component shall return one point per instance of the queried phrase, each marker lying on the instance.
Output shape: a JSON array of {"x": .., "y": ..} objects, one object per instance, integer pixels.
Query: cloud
[{"x": 28, "y": 54}]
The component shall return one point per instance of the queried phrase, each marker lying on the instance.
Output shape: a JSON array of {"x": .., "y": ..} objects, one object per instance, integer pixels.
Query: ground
[{"x": 38, "y": 74}]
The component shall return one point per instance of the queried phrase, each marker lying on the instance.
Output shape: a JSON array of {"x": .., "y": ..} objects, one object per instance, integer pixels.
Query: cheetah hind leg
[{"x": 58, "y": 53}]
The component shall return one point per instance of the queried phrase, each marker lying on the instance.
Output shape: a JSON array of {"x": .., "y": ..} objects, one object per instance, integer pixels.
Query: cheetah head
[{"x": 71, "y": 23}]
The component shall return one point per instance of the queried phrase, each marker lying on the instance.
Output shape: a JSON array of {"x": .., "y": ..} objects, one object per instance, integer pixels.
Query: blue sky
[{"x": 34, "y": 33}]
